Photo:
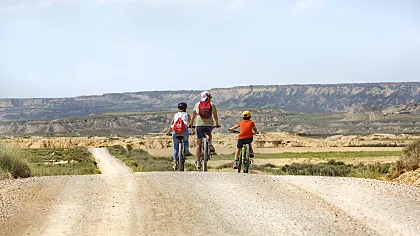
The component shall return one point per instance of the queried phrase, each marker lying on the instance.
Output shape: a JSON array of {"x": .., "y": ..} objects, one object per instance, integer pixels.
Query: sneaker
[
  {"x": 251, "y": 153},
  {"x": 188, "y": 153},
  {"x": 235, "y": 165},
  {"x": 175, "y": 166},
  {"x": 197, "y": 165},
  {"x": 211, "y": 148}
]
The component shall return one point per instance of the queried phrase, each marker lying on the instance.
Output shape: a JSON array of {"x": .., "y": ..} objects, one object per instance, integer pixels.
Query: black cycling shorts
[{"x": 243, "y": 141}]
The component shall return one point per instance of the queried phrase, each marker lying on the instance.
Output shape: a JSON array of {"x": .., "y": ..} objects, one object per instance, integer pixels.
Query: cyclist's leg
[
  {"x": 187, "y": 143},
  {"x": 238, "y": 149},
  {"x": 251, "y": 151},
  {"x": 176, "y": 146},
  {"x": 200, "y": 134},
  {"x": 210, "y": 138},
  {"x": 198, "y": 148}
]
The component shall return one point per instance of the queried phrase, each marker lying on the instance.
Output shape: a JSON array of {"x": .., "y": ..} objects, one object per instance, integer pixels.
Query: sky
[{"x": 64, "y": 48}]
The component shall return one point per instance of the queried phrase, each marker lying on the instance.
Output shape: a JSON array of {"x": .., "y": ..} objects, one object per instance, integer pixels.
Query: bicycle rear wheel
[
  {"x": 246, "y": 159},
  {"x": 181, "y": 156},
  {"x": 205, "y": 154}
]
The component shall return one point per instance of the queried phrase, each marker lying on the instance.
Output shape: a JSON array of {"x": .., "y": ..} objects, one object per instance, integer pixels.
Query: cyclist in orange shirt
[{"x": 245, "y": 136}]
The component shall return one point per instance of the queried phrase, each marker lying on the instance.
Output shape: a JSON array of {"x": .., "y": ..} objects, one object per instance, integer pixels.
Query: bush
[
  {"x": 331, "y": 168},
  {"x": 409, "y": 161},
  {"x": 12, "y": 161},
  {"x": 140, "y": 160}
]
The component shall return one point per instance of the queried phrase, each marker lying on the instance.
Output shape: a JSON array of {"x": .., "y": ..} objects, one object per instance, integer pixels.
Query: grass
[
  {"x": 397, "y": 140},
  {"x": 61, "y": 161},
  {"x": 13, "y": 163},
  {"x": 318, "y": 155},
  {"x": 330, "y": 168},
  {"x": 141, "y": 161}
]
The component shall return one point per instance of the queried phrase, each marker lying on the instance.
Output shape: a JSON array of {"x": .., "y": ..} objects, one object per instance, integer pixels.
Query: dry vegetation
[
  {"x": 21, "y": 163},
  {"x": 13, "y": 163},
  {"x": 410, "y": 161}
]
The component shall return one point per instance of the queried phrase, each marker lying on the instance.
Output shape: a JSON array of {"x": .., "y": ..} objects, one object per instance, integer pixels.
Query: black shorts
[{"x": 243, "y": 141}]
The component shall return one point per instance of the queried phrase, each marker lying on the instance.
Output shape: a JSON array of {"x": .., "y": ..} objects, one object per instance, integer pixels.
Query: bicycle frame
[
  {"x": 181, "y": 153},
  {"x": 244, "y": 161},
  {"x": 205, "y": 152}
]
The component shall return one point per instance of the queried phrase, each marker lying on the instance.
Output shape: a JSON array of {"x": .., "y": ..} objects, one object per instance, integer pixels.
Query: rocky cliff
[
  {"x": 266, "y": 119},
  {"x": 292, "y": 98}
]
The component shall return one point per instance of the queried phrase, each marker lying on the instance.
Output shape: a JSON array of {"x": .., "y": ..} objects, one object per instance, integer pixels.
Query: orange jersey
[{"x": 246, "y": 129}]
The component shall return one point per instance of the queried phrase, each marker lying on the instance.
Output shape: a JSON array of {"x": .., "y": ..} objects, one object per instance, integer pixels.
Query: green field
[{"x": 320, "y": 155}]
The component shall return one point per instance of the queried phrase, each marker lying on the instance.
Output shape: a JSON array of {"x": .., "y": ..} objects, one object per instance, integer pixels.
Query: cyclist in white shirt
[{"x": 186, "y": 119}]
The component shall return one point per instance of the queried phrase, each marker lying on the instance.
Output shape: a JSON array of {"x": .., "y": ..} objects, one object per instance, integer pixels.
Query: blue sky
[{"x": 61, "y": 48}]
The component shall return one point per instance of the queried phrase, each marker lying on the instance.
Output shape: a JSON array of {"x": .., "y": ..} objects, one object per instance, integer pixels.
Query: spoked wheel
[
  {"x": 181, "y": 156},
  {"x": 205, "y": 154},
  {"x": 246, "y": 159},
  {"x": 240, "y": 162}
]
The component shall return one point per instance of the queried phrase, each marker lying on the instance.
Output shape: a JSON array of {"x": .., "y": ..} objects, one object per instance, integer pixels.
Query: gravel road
[
  {"x": 197, "y": 203},
  {"x": 108, "y": 164}
]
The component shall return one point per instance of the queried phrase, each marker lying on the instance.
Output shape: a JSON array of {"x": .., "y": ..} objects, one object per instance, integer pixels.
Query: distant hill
[
  {"x": 356, "y": 121},
  {"x": 316, "y": 98}
]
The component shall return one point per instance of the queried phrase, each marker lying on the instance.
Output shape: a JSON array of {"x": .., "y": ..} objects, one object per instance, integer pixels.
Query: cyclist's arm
[
  {"x": 189, "y": 119},
  {"x": 234, "y": 127},
  {"x": 215, "y": 115},
  {"x": 216, "y": 118},
  {"x": 194, "y": 115},
  {"x": 255, "y": 130},
  {"x": 170, "y": 128}
]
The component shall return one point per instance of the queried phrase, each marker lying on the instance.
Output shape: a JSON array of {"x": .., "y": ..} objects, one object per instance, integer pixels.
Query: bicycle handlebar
[{"x": 237, "y": 132}]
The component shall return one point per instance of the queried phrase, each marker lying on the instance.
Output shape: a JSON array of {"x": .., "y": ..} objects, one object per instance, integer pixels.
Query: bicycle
[
  {"x": 244, "y": 159},
  {"x": 205, "y": 152},
  {"x": 181, "y": 153}
]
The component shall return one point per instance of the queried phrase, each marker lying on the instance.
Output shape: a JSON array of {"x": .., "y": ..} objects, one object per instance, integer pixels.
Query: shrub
[
  {"x": 331, "y": 168},
  {"x": 411, "y": 158},
  {"x": 12, "y": 161},
  {"x": 409, "y": 161}
]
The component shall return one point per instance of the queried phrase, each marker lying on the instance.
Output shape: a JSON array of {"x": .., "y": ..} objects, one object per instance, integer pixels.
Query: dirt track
[{"x": 196, "y": 203}]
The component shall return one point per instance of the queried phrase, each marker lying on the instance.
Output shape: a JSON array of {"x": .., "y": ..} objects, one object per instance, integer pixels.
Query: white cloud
[
  {"x": 305, "y": 5},
  {"x": 23, "y": 5},
  {"x": 14, "y": 8},
  {"x": 231, "y": 4},
  {"x": 48, "y": 3}
]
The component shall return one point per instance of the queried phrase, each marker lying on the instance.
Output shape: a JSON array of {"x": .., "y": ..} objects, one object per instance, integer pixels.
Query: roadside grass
[
  {"x": 317, "y": 155},
  {"x": 330, "y": 168},
  {"x": 398, "y": 139},
  {"x": 141, "y": 161},
  {"x": 61, "y": 161},
  {"x": 410, "y": 161},
  {"x": 13, "y": 163}
]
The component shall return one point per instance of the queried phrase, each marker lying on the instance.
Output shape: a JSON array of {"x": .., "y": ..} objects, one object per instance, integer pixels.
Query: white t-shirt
[{"x": 184, "y": 117}]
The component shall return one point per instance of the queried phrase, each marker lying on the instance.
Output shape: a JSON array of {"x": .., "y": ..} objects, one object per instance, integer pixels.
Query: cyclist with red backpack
[
  {"x": 204, "y": 111},
  {"x": 179, "y": 126}
]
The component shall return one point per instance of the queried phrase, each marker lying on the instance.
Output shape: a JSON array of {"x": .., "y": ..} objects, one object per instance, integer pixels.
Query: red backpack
[
  {"x": 179, "y": 126},
  {"x": 205, "y": 110}
]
